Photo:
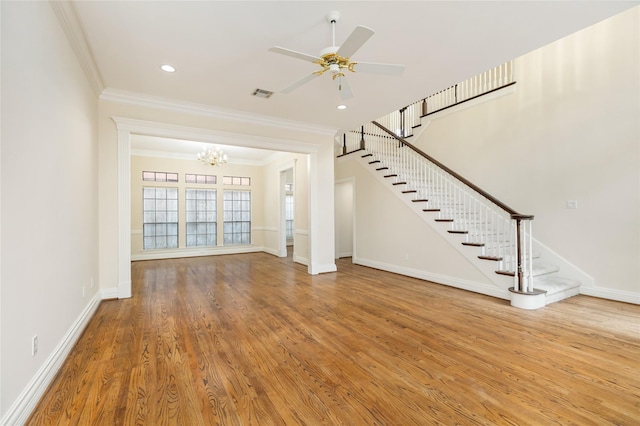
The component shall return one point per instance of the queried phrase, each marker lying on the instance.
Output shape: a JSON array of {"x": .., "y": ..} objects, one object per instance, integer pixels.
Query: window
[
  {"x": 201, "y": 217},
  {"x": 236, "y": 180},
  {"x": 191, "y": 178},
  {"x": 160, "y": 176},
  {"x": 160, "y": 218},
  {"x": 288, "y": 215},
  {"x": 237, "y": 217}
]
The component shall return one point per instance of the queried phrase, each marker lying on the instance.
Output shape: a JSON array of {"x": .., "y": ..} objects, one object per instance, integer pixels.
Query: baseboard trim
[
  {"x": 124, "y": 290},
  {"x": 299, "y": 259},
  {"x": 486, "y": 289},
  {"x": 611, "y": 294},
  {"x": 195, "y": 252},
  {"x": 20, "y": 410},
  {"x": 272, "y": 251},
  {"x": 109, "y": 293},
  {"x": 323, "y": 269}
]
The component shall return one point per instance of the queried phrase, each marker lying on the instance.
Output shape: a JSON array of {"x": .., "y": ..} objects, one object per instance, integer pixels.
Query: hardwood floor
[{"x": 254, "y": 340}]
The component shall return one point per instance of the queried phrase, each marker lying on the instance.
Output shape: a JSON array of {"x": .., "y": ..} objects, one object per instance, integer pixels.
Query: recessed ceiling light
[
  {"x": 167, "y": 68},
  {"x": 341, "y": 106}
]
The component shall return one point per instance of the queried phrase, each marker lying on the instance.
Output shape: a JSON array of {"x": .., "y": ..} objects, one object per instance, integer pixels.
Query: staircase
[{"x": 500, "y": 238}]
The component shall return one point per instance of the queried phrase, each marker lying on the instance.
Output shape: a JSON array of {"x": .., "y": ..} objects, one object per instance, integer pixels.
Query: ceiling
[
  {"x": 154, "y": 146},
  {"x": 220, "y": 49}
]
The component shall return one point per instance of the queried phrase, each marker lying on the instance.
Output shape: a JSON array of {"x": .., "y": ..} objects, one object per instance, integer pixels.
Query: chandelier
[{"x": 213, "y": 156}]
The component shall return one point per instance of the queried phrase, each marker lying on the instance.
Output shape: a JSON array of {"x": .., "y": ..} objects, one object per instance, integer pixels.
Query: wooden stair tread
[
  {"x": 444, "y": 220},
  {"x": 388, "y": 176},
  {"x": 382, "y": 168},
  {"x": 466, "y": 243},
  {"x": 496, "y": 258},
  {"x": 409, "y": 191},
  {"x": 456, "y": 231},
  {"x": 419, "y": 200},
  {"x": 399, "y": 183}
]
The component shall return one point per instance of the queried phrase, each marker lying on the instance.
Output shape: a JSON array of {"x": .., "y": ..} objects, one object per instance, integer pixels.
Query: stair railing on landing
[
  {"x": 502, "y": 234},
  {"x": 403, "y": 121}
]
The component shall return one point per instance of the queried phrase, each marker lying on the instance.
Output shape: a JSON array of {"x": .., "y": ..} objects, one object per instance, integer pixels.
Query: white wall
[
  {"x": 272, "y": 193},
  {"x": 390, "y": 236},
  {"x": 49, "y": 197},
  {"x": 182, "y": 120},
  {"x": 344, "y": 217},
  {"x": 571, "y": 131},
  {"x": 141, "y": 163}
]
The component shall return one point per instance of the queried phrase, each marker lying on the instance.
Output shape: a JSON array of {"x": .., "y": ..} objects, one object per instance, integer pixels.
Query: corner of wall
[{"x": 20, "y": 410}]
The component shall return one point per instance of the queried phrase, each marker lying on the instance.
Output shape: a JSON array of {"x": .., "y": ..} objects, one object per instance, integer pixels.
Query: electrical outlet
[
  {"x": 572, "y": 204},
  {"x": 34, "y": 345}
]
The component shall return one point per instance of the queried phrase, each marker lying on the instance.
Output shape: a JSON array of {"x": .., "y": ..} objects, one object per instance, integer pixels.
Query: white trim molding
[
  {"x": 109, "y": 293},
  {"x": 301, "y": 260},
  {"x": 611, "y": 294},
  {"x": 124, "y": 218},
  {"x": 139, "y": 99},
  {"x": 126, "y": 126},
  {"x": 473, "y": 286},
  {"x": 20, "y": 410},
  {"x": 183, "y": 156},
  {"x": 219, "y": 137},
  {"x": 70, "y": 23},
  {"x": 194, "y": 252}
]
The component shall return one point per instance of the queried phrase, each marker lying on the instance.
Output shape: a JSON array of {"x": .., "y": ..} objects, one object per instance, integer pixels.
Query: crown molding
[
  {"x": 192, "y": 157},
  {"x": 148, "y": 101},
  {"x": 70, "y": 23},
  {"x": 220, "y": 137}
]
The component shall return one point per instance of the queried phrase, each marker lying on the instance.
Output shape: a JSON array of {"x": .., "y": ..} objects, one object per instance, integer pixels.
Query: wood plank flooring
[{"x": 254, "y": 340}]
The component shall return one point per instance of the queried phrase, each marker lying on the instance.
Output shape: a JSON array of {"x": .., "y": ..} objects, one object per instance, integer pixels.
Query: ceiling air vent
[{"x": 261, "y": 93}]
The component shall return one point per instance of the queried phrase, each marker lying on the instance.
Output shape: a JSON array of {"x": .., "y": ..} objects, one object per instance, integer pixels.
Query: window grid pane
[
  {"x": 201, "y": 212},
  {"x": 160, "y": 218},
  {"x": 237, "y": 217},
  {"x": 194, "y": 178},
  {"x": 288, "y": 214},
  {"x": 236, "y": 180},
  {"x": 160, "y": 176}
]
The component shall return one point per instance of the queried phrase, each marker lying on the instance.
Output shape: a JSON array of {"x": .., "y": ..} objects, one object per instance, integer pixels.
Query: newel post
[
  {"x": 523, "y": 295},
  {"x": 344, "y": 143},
  {"x": 361, "y": 137}
]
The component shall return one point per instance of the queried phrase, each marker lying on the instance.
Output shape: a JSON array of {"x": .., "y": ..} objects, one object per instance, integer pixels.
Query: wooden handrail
[
  {"x": 424, "y": 113},
  {"x": 514, "y": 214}
]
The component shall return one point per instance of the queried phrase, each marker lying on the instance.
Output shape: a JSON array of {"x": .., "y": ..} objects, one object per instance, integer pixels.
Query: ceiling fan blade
[
  {"x": 373, "y": 68},
  {"x": 299, "y": 83},
  {"x": 343, "y": 88},
  {"x": 294, "y": 54},
  {"x": 358, "y": 37}
]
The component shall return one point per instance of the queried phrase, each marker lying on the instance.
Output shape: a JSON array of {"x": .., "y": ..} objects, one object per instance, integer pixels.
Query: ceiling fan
[{"x": 336, "y": 59}]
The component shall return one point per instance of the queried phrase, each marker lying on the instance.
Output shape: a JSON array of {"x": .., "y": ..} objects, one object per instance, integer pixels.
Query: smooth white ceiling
[
  {"x": 188, "y": 150},
  {"x": 220, "y": 49}
]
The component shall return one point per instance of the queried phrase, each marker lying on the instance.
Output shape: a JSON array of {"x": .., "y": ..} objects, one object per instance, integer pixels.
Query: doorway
[
  {"x": 344, "y": 217},
  {"x": 287, "y": 213}
]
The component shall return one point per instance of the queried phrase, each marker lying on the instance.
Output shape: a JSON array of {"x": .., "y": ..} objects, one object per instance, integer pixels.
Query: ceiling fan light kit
[{"x": 336, "y": 59}]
